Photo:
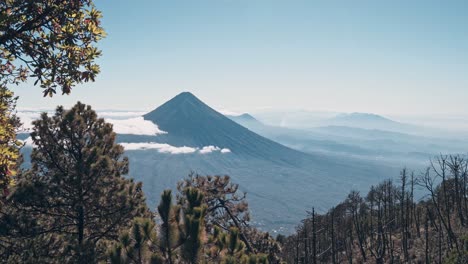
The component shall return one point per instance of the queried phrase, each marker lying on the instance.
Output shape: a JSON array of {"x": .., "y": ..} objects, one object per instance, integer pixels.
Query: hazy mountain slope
[
  {"x": 282, "y": 183},
  {"x": 371, "y": 121},
  {"x": 278, "y": 194},
  {"x": 399, "y": 149},
  {"x": 190, "y": 122},
  {"x": 245, "y": 120},
  {"x": 363, "y": 118}
]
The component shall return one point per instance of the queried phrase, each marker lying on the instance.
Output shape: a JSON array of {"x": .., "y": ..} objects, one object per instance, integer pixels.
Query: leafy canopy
[{"x": 52, "y": 41}]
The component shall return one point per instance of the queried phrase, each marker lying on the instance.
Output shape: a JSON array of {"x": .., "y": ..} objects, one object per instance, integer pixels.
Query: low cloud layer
[
  {"x": 135, "y": 126},
  {"x": 160, "y": 147},
  {"x": 229, "y": 112},
  {"x": 168, "y": 149},
  {"x": 127, "y": 123},
  {"x": 225, "y": 150},
  {"x": 27, "y": 117},
  {"x": 210, "y": 149},
  {"x": 119, "y": 114},
  {"x": 123, "y": 122}
]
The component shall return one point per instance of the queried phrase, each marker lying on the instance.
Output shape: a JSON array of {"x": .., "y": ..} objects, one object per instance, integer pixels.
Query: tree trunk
[
  {"x": 314, "y": 238},
  {"x": 426, "y": 236},
  {"x": 333, "y": 236}
]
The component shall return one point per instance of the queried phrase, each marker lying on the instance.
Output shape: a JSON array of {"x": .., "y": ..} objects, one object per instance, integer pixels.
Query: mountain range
[
  {"x": 281, "y": 183},
  {"x": 358, "y": 135},
  {"x": 284, "y": 170}
]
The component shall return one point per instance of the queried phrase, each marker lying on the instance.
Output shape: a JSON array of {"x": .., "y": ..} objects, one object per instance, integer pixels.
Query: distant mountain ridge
[
  {"x": 282, "y": 183},
  {"x": 367, "y": 121},
  {"x": 246, "y": 117},
  {"x": 361, "y": 117}
]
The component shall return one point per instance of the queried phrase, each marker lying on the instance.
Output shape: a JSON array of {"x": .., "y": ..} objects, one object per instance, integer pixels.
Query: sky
[{"x": 383, "y": 57}]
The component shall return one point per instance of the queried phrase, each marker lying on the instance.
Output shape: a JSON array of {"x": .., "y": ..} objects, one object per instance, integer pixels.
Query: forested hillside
[{"x": 388, "y": 225}]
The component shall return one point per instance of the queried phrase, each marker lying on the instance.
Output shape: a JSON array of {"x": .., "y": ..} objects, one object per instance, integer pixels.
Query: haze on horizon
[{"x": 389, "y": 58}]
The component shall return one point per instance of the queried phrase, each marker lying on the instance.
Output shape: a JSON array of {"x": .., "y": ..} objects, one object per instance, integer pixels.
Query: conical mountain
[
  {"x": 281, "y": 183},
  {"x": 190, "y": 122}
]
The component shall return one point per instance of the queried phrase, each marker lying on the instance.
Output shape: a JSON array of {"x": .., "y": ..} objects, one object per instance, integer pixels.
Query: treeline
[
  {"x": 388, "y": 225},
  {"x": 74, "y": 205}
]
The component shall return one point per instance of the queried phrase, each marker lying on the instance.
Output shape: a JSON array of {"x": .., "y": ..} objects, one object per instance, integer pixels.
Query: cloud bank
[
  {"x": 27, "y": 117},
  {"x": 119, "y": 114},
  {"x": 229, "y": 112},
  {"x": 225, "y": 150},
  {"x": 135, "y": 126},
  {"x": 127, "y": 123},
  {"x": 168, "y": 149},
  {"x": 210, "y": 149},
  {"x": 123, "y": 122},
  {"x": 160, "y": 147}
]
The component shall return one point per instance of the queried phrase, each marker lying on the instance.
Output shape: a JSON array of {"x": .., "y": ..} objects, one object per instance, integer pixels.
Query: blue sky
[{"x": 385, "y": 57}]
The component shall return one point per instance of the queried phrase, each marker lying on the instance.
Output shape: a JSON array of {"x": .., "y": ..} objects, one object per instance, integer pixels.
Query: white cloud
[
  {"x": 135, "y": 126},
  {"x": 27, "y": 117},
  {"x": 124, "y": 122},
  {"x": 169, "y": 149},
  {"x": 162, "y": 148},
  {"x": 209, "y": 149},
  {"x": 128, "y": 123},
  {"x": 120, "y": 114},
  {"x": 229, "y": 112},
  {"x": 225, "y": 150}
]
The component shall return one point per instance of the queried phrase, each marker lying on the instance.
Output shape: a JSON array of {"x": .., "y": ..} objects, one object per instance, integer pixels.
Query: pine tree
[
  {"x": 233, "y": 245},
  {"x": 194, "y": 218},
  {"x": 170, "y": 226},
  {"x": 137, "y": 244},
  {"x": 75, "y": 187},
  {"x": 226, "y": 206}
]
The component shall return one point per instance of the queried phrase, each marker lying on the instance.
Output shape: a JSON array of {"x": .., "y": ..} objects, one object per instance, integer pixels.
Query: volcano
[
  {"x": 190, "y": 122},
  {"x": 281, "y": 183}
]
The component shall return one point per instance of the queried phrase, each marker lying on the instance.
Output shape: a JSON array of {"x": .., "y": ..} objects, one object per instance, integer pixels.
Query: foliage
[
  {"x": 137, "y": 244},
  {"x": 228, "y": 233},
  {"x": 9, "y": 146},
  {"x": 194, "y": 222},
  {"x": 459, "y": 257},
  {"x": 75, "y": 190},
  {"x": 183, "y": 236},
  {"x": 170, "y": 226},
  {"x": 52, "y": 41},
  {"x": 226, "y": 208},
  {"x": 232, "y": 250}
]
